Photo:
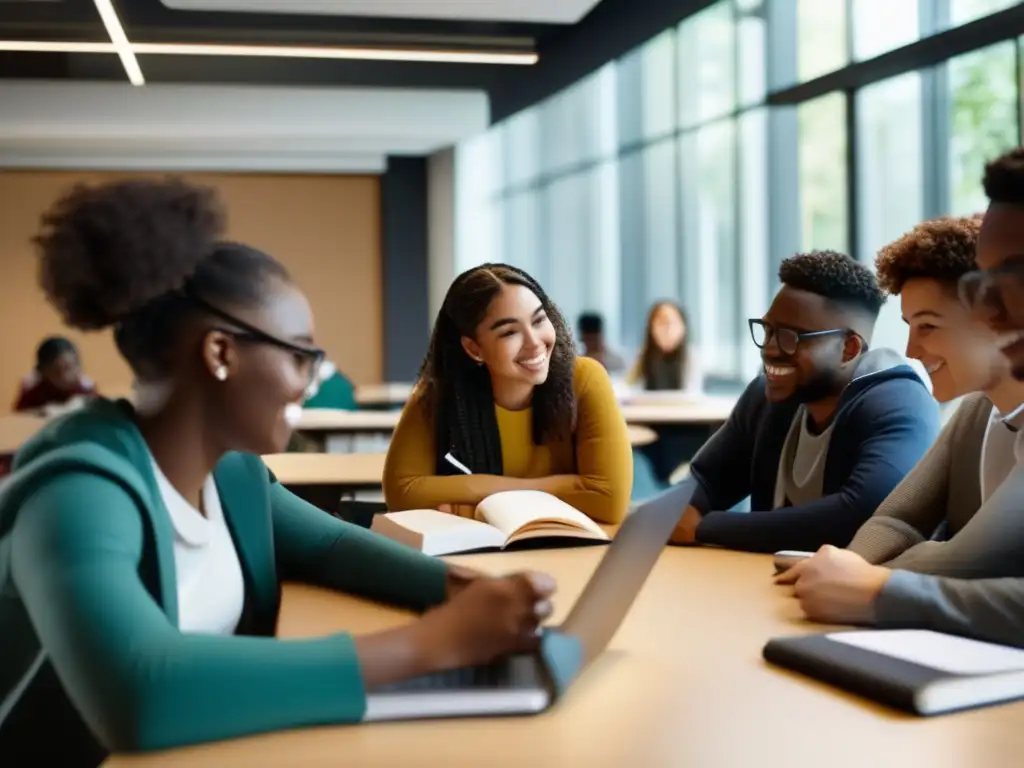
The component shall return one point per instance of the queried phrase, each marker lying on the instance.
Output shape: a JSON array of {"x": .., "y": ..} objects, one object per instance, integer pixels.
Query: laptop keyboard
[{"x": 513, "y": 672}]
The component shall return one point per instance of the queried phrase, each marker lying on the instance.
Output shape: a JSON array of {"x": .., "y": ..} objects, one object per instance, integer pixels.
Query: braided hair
[{"x": 456, "y": 393}]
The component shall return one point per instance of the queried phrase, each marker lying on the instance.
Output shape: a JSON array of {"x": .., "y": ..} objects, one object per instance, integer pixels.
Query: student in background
[
  {"x": 825, "y": 433},
  {"x": 332, "y": 389},
  {"x": 57, "y": 381},
  {"x": 502, "y": 390},
  {"x": 838, "y": 586},
  {"x": 666, "y": 360},
  {"x": 144, "y": 547},
  {"x": 591, "y": 327}
]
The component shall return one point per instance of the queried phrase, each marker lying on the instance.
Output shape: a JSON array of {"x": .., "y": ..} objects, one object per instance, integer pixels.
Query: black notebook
[{"x": 916, "y": 670}]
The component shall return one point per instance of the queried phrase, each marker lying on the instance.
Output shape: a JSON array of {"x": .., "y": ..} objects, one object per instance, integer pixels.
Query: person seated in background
[
  {"x": 144, "y": 546},
  {"x": 57, "y": 382},
  {"x": 503, "y": 392},
  {"x": 667, "y": 362},
  {"x": 591, "y": 327},
  {"x": 331, "y": 389},
  {"x": 945, "y": 497},
  {"x": 823, "y": 435},
  {"x": 838, "y": 586}
]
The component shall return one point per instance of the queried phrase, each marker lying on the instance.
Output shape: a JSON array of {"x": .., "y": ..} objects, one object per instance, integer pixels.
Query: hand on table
[
  {"x": 460, "y": 577},
  {"x": 487, "y": 619},
  {"x": 836, "y": 586},
  {"x": 686, "y": 528}
]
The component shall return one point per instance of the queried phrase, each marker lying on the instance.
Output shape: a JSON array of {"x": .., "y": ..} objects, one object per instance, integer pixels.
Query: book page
[
  {"x": 946, "y": 653},
  {"x": 513, "y": 511},
  {"x": 437, "y": 533}
]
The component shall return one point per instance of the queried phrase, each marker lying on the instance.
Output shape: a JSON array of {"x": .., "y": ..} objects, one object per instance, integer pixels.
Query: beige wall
[{"x": 325, "y": 229}]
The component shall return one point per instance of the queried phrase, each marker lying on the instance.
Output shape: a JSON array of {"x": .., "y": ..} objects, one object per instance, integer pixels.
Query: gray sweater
[{"x": 973, "y": 583}]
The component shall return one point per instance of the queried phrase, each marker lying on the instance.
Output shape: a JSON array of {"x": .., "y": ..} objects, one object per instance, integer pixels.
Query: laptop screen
[{"x": 626, "y": 564}]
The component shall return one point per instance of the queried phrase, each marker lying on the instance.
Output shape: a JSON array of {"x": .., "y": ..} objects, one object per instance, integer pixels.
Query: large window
[
  {"x": 890, "y": 175},
  {"x": 666, "y": 174},
  {"x": 890, "y": 179},
  {"x": 707, "y": 65},
  {"x": 822, "y": 167},
  {"x": 646, "y": 91},
  {"x": 752, "y": 229},
  {"x": 880, "y": 26},
  {"x": 711, "y": 288},
  {"x": 983, "y": 120},
  {"x": 751, "y": 42},
  {"x": 964, "y": 11},
  {"x": 821, "y": 37}
]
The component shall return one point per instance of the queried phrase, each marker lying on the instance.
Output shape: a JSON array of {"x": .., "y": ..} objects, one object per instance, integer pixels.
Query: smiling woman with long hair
[{"x": 504, "y": 393}]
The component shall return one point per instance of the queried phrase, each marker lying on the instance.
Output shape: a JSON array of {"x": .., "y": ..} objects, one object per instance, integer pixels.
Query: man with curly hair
[{"x": 825, "y": 432}]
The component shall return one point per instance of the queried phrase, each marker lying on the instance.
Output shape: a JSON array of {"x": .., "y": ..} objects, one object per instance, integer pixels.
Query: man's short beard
[{"x": 825, "y": 384}]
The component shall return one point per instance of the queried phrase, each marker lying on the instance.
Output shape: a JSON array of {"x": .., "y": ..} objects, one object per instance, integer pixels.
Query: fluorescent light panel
[
  {"x": 120, "y": 41},
  {"x": 267, "y": 51}
]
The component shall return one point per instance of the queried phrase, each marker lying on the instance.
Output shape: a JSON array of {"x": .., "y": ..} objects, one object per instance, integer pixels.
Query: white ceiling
[
  {"x": 114, "y": 126},
  {"x": 542, "y": 11}
]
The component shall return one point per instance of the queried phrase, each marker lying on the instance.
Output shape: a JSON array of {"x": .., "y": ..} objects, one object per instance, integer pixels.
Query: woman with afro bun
[{"x": 142, "y": 548}]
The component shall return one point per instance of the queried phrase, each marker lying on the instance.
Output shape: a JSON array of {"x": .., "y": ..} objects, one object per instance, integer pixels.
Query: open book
[{"x": 508, "y": 520}]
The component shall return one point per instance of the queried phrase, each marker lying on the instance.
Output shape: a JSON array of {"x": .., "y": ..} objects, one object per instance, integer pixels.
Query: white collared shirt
[{"x": 211, "y": 589}]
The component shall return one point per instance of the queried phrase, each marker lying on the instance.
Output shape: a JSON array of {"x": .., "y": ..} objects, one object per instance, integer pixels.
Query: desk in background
[
  {"x": 683, "y": 684},
  {"x": 15, "y": 430},
  {"x": 682, "y": 426},
  {"x": 383, "y": 396}
]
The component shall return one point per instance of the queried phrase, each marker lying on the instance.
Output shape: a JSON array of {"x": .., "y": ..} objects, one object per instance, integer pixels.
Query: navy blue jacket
[{"x": 885, "y": 421}]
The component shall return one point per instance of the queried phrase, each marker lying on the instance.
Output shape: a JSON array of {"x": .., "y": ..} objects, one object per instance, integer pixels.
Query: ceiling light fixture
[
  {"x": 272, "y": 51},
  {"x": 341, "y": 52},
  {"x": 120, "y": 41}
]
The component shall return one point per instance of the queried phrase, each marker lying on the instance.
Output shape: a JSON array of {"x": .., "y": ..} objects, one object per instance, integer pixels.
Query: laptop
[{"x": 531, "y": 683}]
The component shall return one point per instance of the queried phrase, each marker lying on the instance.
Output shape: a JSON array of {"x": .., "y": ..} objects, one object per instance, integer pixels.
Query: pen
[{"x": 457, "y": 464}]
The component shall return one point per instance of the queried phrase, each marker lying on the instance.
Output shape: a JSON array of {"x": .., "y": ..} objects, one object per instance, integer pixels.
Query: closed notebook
[
  {"x": 916, "y": 670},
  {"x": 508, "y": 520}
]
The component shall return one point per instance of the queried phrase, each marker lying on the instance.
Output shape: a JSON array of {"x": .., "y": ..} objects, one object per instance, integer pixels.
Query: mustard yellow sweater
[{"x": 593, "y": 471}]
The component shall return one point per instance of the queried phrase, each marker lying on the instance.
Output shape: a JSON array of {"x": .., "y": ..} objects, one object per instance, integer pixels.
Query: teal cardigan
[{"x": 88, "y": 598}]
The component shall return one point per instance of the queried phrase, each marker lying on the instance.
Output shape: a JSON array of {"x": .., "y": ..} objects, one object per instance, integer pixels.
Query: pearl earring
[{"x": 221, "y": 374}]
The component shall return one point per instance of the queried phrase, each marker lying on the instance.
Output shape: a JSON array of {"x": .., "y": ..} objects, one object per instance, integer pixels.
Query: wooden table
[
  {"x": 682, "y": 684},
  {"x": 15, "y": 429},
  {"x": 383, "y": 395},
  {"x": 333, "y": 430},
  {"x": 711, "y": 410},
  {"x": 640, "y": 436},
  {"x": 343, "y": 471}
]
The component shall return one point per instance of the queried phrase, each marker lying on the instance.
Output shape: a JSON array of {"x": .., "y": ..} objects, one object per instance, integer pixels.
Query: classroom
[{"x": 580, "y": 382}]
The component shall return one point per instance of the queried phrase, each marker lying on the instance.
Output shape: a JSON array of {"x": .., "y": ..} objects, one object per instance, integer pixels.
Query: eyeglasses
[
  {"x": 990, "y": 287},
  {"x": 311, "y": 356},
  {"x": 786, "y": 338}
]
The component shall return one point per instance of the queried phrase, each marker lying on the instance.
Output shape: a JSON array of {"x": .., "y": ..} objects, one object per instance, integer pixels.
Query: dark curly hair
[
  {"x": 1004, "y": 178},
  {"x": 140, "y": 255},
  {"x": 455, "y": 392},
  {"x": 942, "y": 249},
  {"x": 835, "y": 276}
]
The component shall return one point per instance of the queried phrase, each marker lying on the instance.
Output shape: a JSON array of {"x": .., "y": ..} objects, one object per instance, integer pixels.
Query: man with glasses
[
  {"x": 838, "y": 586},
  {"x": 827, "y": 429}
]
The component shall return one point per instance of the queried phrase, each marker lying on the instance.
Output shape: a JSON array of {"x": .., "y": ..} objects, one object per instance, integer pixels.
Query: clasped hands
[{"x": 836, "y": 586}]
